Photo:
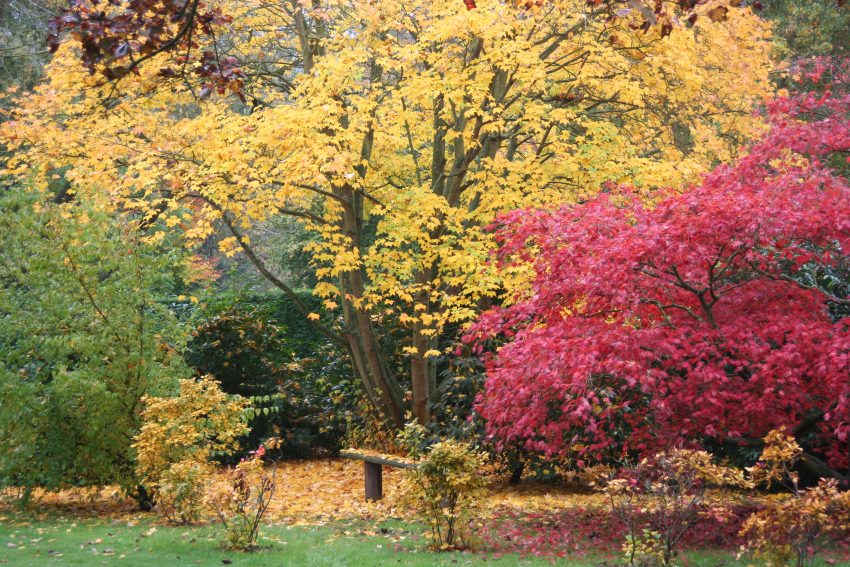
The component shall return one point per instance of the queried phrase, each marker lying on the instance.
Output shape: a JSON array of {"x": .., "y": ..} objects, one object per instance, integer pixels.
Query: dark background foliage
[{"x": 257, "y": 346}]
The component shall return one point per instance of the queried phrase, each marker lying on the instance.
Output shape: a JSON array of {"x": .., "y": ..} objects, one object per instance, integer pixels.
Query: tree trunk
[
  {"x": 420, "y": 376},
  {"x": 422, "y": 368},
  {"x": 516, "y": 472},
  {"x": 367, "y": 358},
  {"x": 363, "y": 342},
  {"x": 423, "y": 373}
]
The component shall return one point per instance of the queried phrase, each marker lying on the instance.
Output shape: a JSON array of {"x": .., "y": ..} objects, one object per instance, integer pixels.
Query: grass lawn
[
  {"x": 112, "y": 542},
  {"x": 94, "y": 542}
]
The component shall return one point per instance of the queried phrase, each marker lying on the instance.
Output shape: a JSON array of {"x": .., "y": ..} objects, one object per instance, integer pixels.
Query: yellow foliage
[
  {"x": 780, "y": 453},
  {"x": 445, "y": 489},
  {"x": 422, "y": 117},
  {"x": 180, "y": 491},
  {"x": 645, "y": 549},
  {"x": 178, "y": 438},
  {"x": 791, "y": 531}
]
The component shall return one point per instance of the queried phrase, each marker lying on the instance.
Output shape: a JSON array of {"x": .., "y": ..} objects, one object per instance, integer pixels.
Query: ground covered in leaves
[
  {"x": 320, "y": 505},
  {"x": 321, "y": 491}
]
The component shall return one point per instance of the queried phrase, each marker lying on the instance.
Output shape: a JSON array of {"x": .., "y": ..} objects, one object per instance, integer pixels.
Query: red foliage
[
  {"x": 582, "y": 532},
  {"x": 686, "y": 321},
  {"x": 117, "y": 38},
  {"x": 579, "y": 532}
]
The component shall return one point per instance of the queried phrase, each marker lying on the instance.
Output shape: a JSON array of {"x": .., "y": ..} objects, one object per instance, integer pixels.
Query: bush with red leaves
[{"x": 699, "y": 320}]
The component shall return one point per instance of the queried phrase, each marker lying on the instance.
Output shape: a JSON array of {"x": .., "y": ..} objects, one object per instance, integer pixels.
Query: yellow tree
[{"x": 396, "y": 130}]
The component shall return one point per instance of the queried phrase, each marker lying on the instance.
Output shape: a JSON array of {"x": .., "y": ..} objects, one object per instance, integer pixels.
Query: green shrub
[
  {"x": 83, "y": 336},
  {"x": 811, "y": 28},
  {"x": 444, "y": 488}
]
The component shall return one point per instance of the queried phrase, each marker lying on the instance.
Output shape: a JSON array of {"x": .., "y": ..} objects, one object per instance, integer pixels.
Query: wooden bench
[{"x": 373, "y": 470}]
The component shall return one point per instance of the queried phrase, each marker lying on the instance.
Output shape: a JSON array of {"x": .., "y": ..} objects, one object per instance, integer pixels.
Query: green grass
[
  {"x": 110, "y": 542},
  {"x": 90, "y": 543}
]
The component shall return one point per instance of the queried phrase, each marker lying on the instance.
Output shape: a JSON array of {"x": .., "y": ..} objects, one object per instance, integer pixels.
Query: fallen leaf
[{"x": 718, "y": 14}]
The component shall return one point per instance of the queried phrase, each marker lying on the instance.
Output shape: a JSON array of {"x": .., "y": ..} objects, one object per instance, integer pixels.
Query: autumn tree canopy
[
  {"x": 713, "y": 317},
  {"x": 392, "y": 130}
]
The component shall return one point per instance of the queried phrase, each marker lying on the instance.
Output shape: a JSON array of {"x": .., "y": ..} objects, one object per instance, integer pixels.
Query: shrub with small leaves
[
  {"x": 660, "y": 499},
  {"x": 180, "y": 491},
  {"x": 84, "y": 334},
  {"x": 644, "y": 549},
  {"x": 178, "y": 439},
  {"x": 242, "y": 497},
  {"x": 444, "y": 487},
  {"x": 792, "y": 530}
]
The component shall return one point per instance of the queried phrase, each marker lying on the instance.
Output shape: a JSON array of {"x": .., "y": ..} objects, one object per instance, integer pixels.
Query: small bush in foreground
[
  {"x": 241, "y": 499},
  {"x": 661, "y": 498},
  {"x": 179, "y": 437},
  {"x": 791, "y": 531},
  {"x": 444, "y": 487}
]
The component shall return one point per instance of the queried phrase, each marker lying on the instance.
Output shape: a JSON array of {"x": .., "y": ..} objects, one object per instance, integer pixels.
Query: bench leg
[{"x": 374, "y": 487}]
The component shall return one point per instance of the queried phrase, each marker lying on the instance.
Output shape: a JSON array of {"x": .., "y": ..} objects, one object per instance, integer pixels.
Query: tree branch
[{"x": 269, "y": 275}]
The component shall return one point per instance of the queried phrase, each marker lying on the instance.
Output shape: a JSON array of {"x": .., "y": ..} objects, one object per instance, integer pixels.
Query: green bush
[
  {"x": 814, "y": 27},
  {"x": 83, "y": 338}
]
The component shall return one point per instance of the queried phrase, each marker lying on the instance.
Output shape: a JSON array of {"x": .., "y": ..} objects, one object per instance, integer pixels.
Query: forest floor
[{"x": 319, "y": 517}]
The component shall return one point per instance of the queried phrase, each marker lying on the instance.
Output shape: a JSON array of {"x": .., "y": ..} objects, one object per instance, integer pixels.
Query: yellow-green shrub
[
  {"x": 178, "y": 438},
  {"x": 444, "y": 488},
  {"x": 180, "y": 489}
]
